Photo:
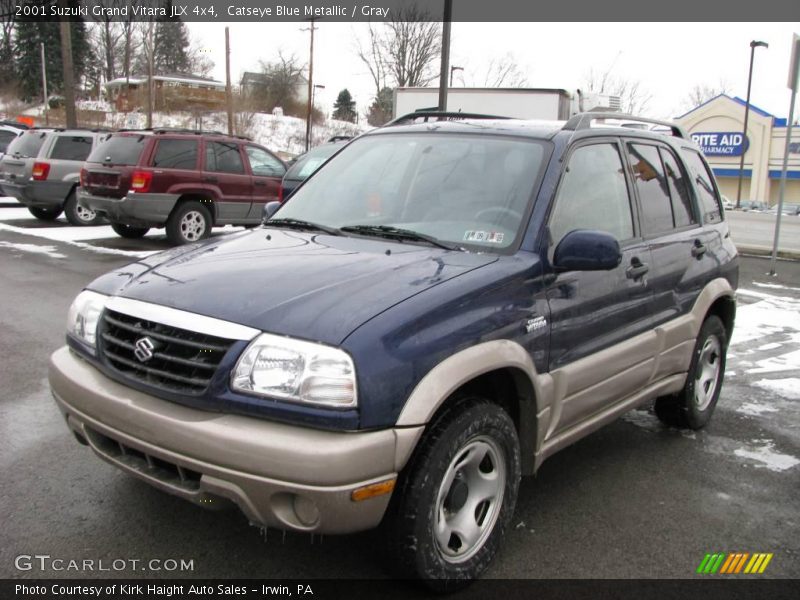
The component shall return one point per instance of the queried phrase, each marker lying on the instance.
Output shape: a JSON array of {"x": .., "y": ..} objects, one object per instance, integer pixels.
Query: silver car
[{"x": 41, "y": 169}]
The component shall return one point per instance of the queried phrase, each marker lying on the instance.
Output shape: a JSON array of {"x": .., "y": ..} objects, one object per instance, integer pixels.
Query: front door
[{"x": 599, "y": 348}]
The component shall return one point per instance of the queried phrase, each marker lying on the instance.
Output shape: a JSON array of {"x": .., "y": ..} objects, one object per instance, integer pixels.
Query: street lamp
[
  {"x": 454, "y": 68},
  {"x": 753, "y": 45},
  {"x": 315, "y": 87}
]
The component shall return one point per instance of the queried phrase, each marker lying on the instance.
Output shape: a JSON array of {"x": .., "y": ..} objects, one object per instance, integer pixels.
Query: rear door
[
  {"x": 68, "y": 154},
  {"x": 224, "y": 171},
  {"x": 268, "y": 171},
  {"x": 21, "y": 154},
  {"x": 175, "y": 165},
  {"x": 599, "y": 348}
]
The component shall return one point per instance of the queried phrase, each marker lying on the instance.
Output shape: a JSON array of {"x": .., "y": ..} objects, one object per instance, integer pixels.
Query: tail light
[
  {"x": 280, "y": 194},
  {"x": 141, "y": 180},
  {"x": 40, "y": 171},
  {"x": 84, "y": 177}
]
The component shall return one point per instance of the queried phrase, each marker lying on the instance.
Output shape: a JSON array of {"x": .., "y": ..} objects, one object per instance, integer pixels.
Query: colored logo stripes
[{"x": 734, "y": 563}]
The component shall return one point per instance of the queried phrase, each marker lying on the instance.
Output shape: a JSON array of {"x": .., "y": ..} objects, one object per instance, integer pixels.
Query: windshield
[
  {"x": 27, "y": 145},
  {"x": 118, "y": 150},
  {"x": 465, "y": 190},
  {"x": 311, "y": 161}
]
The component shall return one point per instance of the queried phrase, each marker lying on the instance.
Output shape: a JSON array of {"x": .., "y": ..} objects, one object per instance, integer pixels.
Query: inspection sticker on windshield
[{"x": 488, "y": 237}]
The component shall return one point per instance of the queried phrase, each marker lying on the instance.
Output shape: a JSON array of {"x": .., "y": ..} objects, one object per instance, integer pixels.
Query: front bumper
[
  {"x": 39, "y": 194},
  {"x": 279, "y": 475},
  {"x": 138, "y": 210}
]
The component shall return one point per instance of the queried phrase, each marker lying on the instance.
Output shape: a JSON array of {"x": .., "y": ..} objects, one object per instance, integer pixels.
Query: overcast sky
[{"x": 668, "y": 59}]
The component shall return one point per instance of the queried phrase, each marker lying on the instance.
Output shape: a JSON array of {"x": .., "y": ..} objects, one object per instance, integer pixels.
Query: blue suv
[{"x": 448, "y": 302}]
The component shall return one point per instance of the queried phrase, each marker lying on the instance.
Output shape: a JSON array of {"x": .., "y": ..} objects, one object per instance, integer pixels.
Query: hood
[{"x": 304, "y": 285}]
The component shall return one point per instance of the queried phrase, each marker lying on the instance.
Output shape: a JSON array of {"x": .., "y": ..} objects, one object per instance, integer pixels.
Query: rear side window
[
  {"x": 69, "y": 147},
  {"x": 679, "y": 190},
  {"x": 176, "y": 154},
  {"x": 651, "y": 184},
  {"x": 119, "y": 150},
  {"x": 6, "y": 138},
  {"x": 223, "y": 157},
  {"x": 708, "y": 198},
  {"x": 28, "y": 144},
  {"x": 593, "y": 194}
]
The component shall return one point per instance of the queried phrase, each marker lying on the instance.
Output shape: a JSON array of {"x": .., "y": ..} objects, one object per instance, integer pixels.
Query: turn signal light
[
  {"x": 84, "y": 177},
  {"x": 40, "y": 171},
  {"x": 141, "y": 180},
  {"x": 373, "y": 490}
]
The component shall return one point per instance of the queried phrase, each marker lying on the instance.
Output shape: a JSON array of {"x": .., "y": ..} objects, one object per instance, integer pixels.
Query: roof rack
[
  {"x": 436, "y": 115},
  {"x": 164, "y": 130},
  {"x": 17, "y": 124},
  {"x": 339, "y": 138},
  {"x": 584, "y": 121}
]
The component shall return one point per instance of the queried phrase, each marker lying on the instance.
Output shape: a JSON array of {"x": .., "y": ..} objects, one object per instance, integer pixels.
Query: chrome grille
[{"x": 163, "y": 356}]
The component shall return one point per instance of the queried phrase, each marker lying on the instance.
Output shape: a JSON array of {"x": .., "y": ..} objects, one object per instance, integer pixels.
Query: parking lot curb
[{"x": 767, "y": 251}]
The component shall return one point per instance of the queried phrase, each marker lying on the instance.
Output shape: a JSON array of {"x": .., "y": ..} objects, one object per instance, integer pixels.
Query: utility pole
[
  {"x": 228, "y": 92},
  {"x": 448, "y": 11},
  {"x": 150, "y": 59},
  {"x": 310, "y": 109},
  {"x": 44, "y": 85},
  {"x": 69, "y": 80}
]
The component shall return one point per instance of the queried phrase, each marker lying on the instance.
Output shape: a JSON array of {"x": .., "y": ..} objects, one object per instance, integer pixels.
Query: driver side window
[{"x": 593, "y": 194}]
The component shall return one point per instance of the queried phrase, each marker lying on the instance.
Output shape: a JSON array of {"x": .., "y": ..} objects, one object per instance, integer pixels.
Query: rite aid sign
[{"x": 721, "y": 143}]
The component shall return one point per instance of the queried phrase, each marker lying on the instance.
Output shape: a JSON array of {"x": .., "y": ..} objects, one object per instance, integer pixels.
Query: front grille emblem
[{"x": 144, "y": 349}]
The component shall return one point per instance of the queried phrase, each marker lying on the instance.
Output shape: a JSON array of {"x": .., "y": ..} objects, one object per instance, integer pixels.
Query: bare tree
[
  {"x": 503, "y": 71},
  {"x": 280, "y": 84},
  {"x": 108, "y": 36},
  {"x": 200, "y": 62},
  {"x": 634, "y": 98},
  {"x": 402, "y": 52},
  {"x": 702, "y": 93}
]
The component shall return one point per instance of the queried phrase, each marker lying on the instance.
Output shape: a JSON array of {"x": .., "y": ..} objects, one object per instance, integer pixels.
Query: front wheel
[
  {"x": 128, "y": 231},
  {"x": 693, "y": 406},
  {"x": 189, "y": 222},
  {"x": 44, "y": 214},
  {"x": 79, "y": 215},
  {"x": 457, "y": 496}
]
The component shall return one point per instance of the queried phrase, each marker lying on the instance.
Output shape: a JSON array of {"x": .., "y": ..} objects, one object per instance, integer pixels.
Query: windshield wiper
[
  {"x": 398, "y": 233},
  {"x": 301, "y": 224}
]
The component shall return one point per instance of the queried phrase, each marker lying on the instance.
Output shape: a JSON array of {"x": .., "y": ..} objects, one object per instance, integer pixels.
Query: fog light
[{"x": 305, "y": 510}]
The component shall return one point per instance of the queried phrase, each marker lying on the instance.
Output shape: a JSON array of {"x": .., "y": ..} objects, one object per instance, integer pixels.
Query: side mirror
[
  {"x": 587, "y": 250},
  {"x": 269, "y": 210}
]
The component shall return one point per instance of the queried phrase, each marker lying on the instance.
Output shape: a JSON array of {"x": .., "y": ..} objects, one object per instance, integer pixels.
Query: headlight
[
  {"x": 280, "y": 367},
  {"x": 84, "y": 315}
]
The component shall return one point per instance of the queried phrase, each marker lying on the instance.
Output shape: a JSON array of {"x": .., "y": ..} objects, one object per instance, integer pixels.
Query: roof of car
[{"x": 595, "y": 123}]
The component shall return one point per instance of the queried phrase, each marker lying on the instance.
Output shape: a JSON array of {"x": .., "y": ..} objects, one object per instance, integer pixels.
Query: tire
[
  {"x": 693, "y": 406},
  {"x": 474, "y": 443},
  {"x": 78, "y": 215},
  {"x": 128, "y": 231},
  {"x": 189, "y": 222},
  {"x": 45, "y": 214}
]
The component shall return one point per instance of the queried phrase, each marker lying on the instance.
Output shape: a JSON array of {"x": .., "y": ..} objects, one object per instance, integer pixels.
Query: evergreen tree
[
  {"x": 171, "y": 48},
  {"x": 344, "y": 109},
  {"x": 28, "y": 64},
  {"x": 381, "y": 109}
]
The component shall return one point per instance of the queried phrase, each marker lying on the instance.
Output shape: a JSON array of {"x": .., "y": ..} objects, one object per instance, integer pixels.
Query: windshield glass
[
  {"x": 118, "y": 150},
  {"x": 466, "y": 190},
  {"x": 27, "y": 145},
  {"x": 311, "y": 161}
]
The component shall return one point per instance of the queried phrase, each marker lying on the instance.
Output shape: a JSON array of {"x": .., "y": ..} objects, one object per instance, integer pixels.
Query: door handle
[
  {"x": 637, "y": 270},
  {"x": 210, "y": 179},
  {"x": 260, "y": 183},
  {"x": 698, "y": 249}
]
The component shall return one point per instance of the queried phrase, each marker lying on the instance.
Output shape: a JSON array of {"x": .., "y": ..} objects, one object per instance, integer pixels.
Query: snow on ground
[
  {"x": 50, "y": 251},
  {"x": 770, "y": 316},
  {"x": 789, "y": 388},
  {"x": 765, "y": 456}
]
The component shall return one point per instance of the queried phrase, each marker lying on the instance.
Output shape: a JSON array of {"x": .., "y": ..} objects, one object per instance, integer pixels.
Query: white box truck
[{"x": 519, "y": 103}]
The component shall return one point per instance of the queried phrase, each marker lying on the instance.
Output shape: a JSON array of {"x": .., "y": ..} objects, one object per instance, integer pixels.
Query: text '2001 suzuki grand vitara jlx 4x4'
[{"x": 431, "y": 315}]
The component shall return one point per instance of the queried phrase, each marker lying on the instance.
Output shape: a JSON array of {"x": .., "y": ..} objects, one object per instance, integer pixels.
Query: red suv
[{"x": 187, "y": 181}]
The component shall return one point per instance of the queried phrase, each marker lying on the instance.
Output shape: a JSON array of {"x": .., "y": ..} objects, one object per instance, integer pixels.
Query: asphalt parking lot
[{"x": 633, "y": 500}]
